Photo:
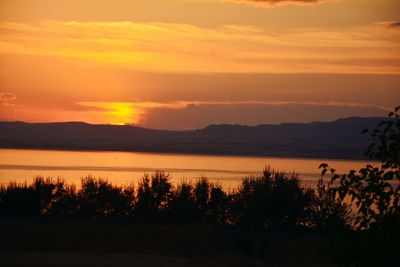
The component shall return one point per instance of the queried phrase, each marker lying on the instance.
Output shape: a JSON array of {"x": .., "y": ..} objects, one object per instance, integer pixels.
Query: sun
[
  {"x": 116, "y": 113},
  {"x": 122, "y": 113}
]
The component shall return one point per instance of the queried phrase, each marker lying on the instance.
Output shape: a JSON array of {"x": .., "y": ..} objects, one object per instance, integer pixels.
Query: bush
[
  {"x": 182, "y": 206},
  {"x": 327, "y": 213},
  {"x": 153, "y": 197},
  {"x": 19, "y": 199},
  {"x": 274, "y": 200},
  {"x": 99, "y": 198}
]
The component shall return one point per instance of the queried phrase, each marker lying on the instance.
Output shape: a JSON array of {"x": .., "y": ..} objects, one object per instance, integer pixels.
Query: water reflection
[{"x": 127, "y": 167}]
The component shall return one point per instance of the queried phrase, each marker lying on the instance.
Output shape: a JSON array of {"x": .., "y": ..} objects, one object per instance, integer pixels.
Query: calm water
[{"x": 126, "y": 167}]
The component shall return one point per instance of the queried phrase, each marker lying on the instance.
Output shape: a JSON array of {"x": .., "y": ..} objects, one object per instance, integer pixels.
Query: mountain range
[{"x": 341, "y": 139}]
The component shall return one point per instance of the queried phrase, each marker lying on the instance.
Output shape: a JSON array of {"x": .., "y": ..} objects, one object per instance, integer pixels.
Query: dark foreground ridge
[{"x": 338, "y": 139}]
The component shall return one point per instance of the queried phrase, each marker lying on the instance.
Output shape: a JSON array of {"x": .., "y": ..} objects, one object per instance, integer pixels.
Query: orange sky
[{"x": 182, "y": 64}]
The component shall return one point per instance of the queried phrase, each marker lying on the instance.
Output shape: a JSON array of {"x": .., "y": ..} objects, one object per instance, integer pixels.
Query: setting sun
[{"x": 117, "y": 113}]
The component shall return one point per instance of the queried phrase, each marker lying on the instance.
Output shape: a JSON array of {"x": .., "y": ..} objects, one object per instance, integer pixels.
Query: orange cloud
[
  {"x": 273, "y": 3},
  {"x": 7, "y": 99},
  {"x": 125, "y": 112},
  {"x": 167, "y": 47}
]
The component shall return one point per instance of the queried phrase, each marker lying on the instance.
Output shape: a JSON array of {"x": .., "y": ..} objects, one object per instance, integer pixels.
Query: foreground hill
[{"x": 338, "y": 139}]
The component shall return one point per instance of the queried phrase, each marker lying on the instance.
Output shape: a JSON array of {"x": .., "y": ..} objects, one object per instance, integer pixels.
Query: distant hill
[{"x": 340, "y": 139}]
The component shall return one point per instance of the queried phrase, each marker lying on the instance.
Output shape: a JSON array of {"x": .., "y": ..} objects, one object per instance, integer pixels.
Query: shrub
[
  {"x": 274, "y": 200},
  {"x": 327, "y": 213},
  {"x": 153, "y": 196},
  {"x": 99, "y": 198},
  {"x": 19, "y": 199},
  {"x": 182, "y": 206}
]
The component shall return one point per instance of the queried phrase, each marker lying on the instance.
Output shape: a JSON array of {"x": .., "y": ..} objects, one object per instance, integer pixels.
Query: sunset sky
[{"x": 184, "y": 64}]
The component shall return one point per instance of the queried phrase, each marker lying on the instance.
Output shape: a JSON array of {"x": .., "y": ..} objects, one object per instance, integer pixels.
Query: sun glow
[
  {"x": 122, "y": 113},
  {"x": 117, "y": 113}
]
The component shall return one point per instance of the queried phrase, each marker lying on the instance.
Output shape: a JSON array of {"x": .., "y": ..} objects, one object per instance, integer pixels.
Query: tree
[
  {"x": 153, "y": 196},
  {"x": 375, "y": 190},
  {"x": 327, "y": 212},
  {"x": 274, "y": 200},
  {"x": 182, "y": 205},
  {"x": 99, "y": 198}
]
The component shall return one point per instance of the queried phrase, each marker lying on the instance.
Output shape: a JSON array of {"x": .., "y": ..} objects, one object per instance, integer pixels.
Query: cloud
[
  {"x": 7, "y": 99},
  {"x": 394, "y": 24},
  {"x": 185, "y": 48},
  {"x": 201, "y": 114},
  {"x": 196, "y": 114},
  {"x": 270, "y": 3},
  {"x": 125, "y": 112},
  {"x": 389, "y": 24}
]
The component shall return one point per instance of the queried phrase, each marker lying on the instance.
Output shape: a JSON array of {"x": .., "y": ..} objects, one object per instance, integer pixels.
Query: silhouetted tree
[
  {"x": 274, "y": 200},
  {"x": 19, "y": 199},
  {"x": 153, "y": 196},
  {"x": 375, "y": 191},
  {"x": 217, "y": 205},
  {"x": 201, "y": 195},
  {"x": 65, "y": 200},
  {"x": 44, "y": 190},
  {"x": 182, "y": 205},
  {"x": 326, "y": 212},
  {"x": 99, "y": 198}
]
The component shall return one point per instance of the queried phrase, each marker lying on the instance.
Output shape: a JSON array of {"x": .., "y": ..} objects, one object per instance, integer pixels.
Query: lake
[{"x": 123, "y": 168}]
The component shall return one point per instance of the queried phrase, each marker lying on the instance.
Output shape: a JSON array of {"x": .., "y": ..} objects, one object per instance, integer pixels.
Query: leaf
[{"x": 323, "y": 165}]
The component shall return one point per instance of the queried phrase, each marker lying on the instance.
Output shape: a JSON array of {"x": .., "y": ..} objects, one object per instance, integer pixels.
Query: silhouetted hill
[{"x": 338, "y": 139}]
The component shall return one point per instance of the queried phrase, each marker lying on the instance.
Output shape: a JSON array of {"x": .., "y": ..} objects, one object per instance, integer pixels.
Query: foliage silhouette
[
  {"x": 274, "y": 200},
  {"x": 327, "y": 212},
  {"x": 153, "y": 196},
  {"x": 218, "y": 205},
  {"x": 19, "y": 199},
  {"x": 64, "y": 200},
  {"x": 99, "y": 198},
  {"x": 375, "y": 191},
  {"x": 182, "y": 206},
  {"x": 201, "y": 196}
]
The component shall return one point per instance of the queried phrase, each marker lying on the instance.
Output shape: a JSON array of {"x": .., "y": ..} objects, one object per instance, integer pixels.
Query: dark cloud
[
  {"x": 201, "y": 115},
  {"x": 394, "y": 24}
]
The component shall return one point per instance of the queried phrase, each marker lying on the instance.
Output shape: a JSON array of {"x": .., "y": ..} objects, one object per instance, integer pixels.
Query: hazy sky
[{"x": 179, "y": 64}]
